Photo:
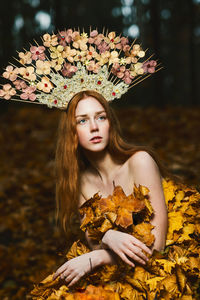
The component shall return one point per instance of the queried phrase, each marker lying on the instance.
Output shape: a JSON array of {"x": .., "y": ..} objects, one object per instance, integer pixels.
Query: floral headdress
[{"x": 73, "y": 61}]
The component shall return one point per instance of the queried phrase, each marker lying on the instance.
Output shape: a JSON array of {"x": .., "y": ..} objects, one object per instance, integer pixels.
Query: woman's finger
[
  {"x": 65, "y": 274},
  {"x": 135, "y": 257},
  {"x": 68, "y": 277},
  {"x": 138, "y": 251},
  {"x": 138, "y": 243},
  {"x": 73, "y": 281},
  {"x": 126, "y": 260},
  {"x": 59, "y": 271}
]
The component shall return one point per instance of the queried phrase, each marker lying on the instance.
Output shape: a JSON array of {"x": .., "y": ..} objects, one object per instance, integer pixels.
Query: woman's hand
[
  {"x": 74, "y": 269},
  {"x": 126, "y": 246}
]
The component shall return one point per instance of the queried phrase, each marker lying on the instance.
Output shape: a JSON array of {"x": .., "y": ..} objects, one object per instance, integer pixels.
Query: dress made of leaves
[{"x": 171, "y": 274}]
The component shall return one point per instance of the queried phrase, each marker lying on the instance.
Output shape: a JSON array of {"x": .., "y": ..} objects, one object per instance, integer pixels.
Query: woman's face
[{"x": 92, "y": 124}]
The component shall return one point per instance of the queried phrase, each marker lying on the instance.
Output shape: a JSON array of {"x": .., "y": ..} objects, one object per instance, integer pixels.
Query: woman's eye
[
  {"x": 82, "y": 121},
  {"x": 102, "y": 117}
]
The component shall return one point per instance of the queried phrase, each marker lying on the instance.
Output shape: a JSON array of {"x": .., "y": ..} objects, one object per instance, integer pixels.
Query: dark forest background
[{"x": 171, "y": 29}]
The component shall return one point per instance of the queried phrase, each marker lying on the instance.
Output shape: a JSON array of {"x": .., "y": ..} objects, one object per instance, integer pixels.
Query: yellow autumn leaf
[
  {"x": 187, "y": 229},
  {"x": 77, "y": 249},
  {"x": 142, "y": 231},
  {"x": 153, "y": 282},
  {"x": 131, "y": 293},
  {"x": 187, "y": 297},
  {"x": 139, "y": 285},
  {"x": 167, "y": 264},
  {"x": 181, "y": 278},
  {"x": 106, "y": 225},
  {"x": 111, "y": 216},
  {"x": 180, "y": 195},
  {"x": 124, "y": 217},
  {"x": 175, "y": 221},
  {"x": 170, "y": 285},
  {"x": 106, "y": 204},
  {"x": 194, "y": 263},
  {"x": 141, "y": 274},
  {"x": 148, "y": 206}
]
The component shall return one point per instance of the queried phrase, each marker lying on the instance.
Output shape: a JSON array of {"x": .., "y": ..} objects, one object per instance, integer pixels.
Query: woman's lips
[{"x": 96, "y": 139}]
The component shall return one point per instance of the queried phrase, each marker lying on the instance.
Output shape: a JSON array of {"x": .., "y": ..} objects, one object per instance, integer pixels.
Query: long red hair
[{"x": 70, "y": 160}]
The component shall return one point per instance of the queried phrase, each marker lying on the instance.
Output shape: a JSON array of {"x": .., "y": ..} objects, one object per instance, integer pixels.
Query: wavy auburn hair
[{"x": 70, "y": 160}]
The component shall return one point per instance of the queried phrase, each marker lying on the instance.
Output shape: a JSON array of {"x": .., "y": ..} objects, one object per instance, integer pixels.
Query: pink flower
[
  {"x": 37, "y": 52},
  {"x": 118, "y": 70},
  {"x": 93, "y": 33},
  {"x": 123, "y": 44},
  {"x": 95, "y": 38},
  {"x": 127, "y": 77},
  {"x": 20, "y": 84},
  {"x": 11, "y": 73},
  {"x": 7, "y": 91},
  {"x": 69, "y": 70},
  {"x": 149, "y": 66},
  {"x": 65, "y": 37},
  {"x": 28, "y": 93},
  {"x": 103, "y": 47},
  {"x": 93, "y": 67}
]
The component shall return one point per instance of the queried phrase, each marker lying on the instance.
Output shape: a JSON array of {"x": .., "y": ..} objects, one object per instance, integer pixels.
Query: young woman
[{"x": 91, "y": 155}]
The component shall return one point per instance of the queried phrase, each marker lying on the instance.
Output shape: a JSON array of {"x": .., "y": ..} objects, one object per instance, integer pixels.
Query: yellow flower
[
  {"x": 28, "y": 73},
  {"x": 122, "y": 61},
  {"x": 80, "y": 41},
  {"x": 45, "y": 85},
  {"x": 25, "y": 58},
  {"x": 80, "y": 56},
  {"x": 111, "y": 39},
  {"x": 84, "y": 35},
  {"x": 136, "y": 69},
  {"x": 131, "y": 59},
  {"x": 43, "y": 67},
  {"x": 69, "y": 53},
  {"x": 50, "y": 40},
  {"x": 113, "y": 57},
  {"x": 103, "y": 58},
  {"x": 56, "y": 51},
  {"x": 57, "y": 63}
]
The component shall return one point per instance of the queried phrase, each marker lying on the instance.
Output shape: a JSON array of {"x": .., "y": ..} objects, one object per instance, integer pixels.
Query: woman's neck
[{"x": 103, "y": 164}]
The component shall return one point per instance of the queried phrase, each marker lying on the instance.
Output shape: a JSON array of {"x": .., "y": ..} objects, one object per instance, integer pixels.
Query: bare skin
[{"x": 140, "y": 168}]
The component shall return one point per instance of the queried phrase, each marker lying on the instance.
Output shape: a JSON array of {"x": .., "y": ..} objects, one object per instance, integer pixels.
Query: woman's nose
[{"x": 93, "y": 125}]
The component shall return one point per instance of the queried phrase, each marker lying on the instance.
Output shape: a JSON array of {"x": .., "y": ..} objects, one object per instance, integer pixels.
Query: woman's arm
[
  {"x": 118, "y": 244},
  {"x": 102, "y": 256},
  {"x": 146, "y": 172}
]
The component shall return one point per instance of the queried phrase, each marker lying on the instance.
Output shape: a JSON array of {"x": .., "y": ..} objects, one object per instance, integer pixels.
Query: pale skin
[{"x": 140, "y": 168}]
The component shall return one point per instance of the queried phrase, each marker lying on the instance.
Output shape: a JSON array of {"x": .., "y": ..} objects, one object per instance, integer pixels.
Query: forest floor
[{"x": 31, "y": 246}]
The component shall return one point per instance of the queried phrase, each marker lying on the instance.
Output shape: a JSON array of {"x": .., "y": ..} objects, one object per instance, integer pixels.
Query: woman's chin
[{"x": 95, "y": 148}]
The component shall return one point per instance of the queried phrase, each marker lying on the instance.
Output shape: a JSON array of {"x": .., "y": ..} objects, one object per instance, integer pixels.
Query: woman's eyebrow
[{"x": 96, "y": 113}]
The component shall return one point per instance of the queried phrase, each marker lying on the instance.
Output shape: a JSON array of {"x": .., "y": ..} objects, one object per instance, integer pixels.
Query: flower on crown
[{"x": 72, "y": 61}]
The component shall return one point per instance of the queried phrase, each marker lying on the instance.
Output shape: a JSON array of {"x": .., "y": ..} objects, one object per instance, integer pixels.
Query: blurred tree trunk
[
  {"x": 155, "y": 23},
  {"x": 193, "y": 75},
  {"x": 7, "y": 15}
]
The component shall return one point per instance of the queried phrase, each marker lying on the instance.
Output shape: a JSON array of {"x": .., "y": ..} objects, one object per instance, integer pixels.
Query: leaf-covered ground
[{"x": 30, "y": 242}]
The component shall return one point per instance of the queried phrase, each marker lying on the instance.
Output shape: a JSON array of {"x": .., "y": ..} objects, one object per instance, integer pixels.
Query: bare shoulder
[
  {"x": 141, "y": 158},
  {"x": 143, "y": 165}
]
